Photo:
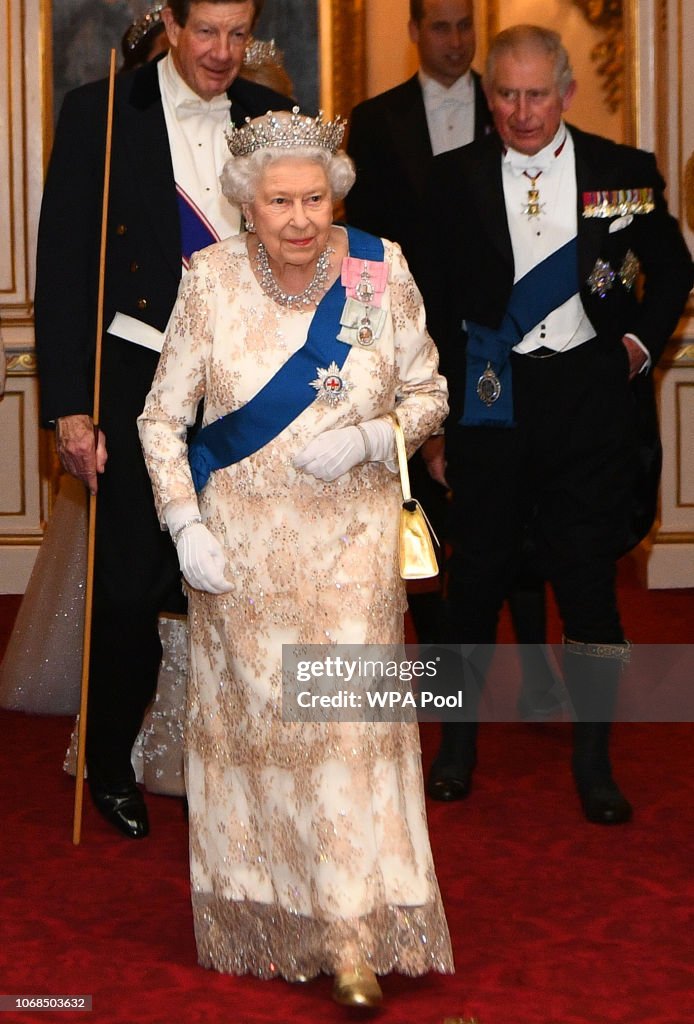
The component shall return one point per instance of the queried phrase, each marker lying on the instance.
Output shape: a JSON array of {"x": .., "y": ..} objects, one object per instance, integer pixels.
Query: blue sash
[
  {"x": 286, "y": 395},
  {"x": 543, "y": 289},
  {"x": 196, "y": 233}
]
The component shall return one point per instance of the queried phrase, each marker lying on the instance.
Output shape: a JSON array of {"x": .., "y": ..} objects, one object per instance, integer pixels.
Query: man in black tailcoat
[
  {"x": 557, "y": 277},
  {"x": 393, "y": 138},
  {"x": 164, "y": 203}
]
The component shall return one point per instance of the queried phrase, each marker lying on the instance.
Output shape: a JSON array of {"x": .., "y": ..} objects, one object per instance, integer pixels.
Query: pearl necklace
[{"x": 308, "y": 296}]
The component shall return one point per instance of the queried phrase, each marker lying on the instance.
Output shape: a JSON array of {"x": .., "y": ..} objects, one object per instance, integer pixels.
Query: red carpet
[{"x": 554, "y": 921}]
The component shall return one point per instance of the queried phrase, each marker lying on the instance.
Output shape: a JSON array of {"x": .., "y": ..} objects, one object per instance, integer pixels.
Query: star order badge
[
  {"x": 601, "y": 278},
  {"x": 332, "y": 386},
  {"x": 629, "y": 270}
]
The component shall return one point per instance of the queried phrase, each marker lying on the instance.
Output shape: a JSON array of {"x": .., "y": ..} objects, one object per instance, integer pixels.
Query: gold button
[
  {"x": 134, "y": 267},
  {"x": 121, "y": 229},
  {"x": 142, "y": 303}
]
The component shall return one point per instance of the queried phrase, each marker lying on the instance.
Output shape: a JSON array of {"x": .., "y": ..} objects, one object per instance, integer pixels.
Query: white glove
[
  {"x": 202, "y": 559},
  {"x": 334, "y": 452},
  {"x": 200, "y": 554}
]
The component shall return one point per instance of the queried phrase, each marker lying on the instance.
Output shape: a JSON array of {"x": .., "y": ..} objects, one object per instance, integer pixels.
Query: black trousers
[
  {"x": 565, "y": 474},
  {"x": 136, "y": 573}
]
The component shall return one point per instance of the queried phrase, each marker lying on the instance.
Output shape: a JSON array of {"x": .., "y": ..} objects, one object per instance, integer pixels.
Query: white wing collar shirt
[
  {"x": 198, "y": 152},
  {"x": 198, "y": 147},
  {"x": 534, "y": 237},
  {"x": 450, "y": 112}
]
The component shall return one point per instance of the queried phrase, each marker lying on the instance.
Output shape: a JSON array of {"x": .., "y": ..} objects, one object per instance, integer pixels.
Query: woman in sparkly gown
[{"x": 308, "y": 841}]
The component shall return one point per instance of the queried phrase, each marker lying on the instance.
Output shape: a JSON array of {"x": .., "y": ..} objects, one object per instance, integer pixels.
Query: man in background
[
  {"x": 394, "y": 137},
  {"x": 165, "y": 202}
]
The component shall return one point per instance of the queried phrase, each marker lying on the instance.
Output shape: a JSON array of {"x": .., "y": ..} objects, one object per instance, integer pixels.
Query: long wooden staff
[{"x": 91, "y": 535}]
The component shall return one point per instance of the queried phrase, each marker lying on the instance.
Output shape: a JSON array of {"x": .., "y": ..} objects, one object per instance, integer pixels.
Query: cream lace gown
[{"x": 307, "y": 841}]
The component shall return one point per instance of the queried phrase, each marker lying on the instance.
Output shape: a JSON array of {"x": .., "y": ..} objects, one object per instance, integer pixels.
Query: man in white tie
[
  {"x": 557, "y": 277},
  {"x": 394, "y": 137},
  {"x": 165, "y": 202}
]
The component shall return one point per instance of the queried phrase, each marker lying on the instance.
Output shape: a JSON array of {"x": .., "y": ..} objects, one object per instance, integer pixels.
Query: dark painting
[
  {"x": 293, "y": 24},
  {"x": 84, "y": 31}
]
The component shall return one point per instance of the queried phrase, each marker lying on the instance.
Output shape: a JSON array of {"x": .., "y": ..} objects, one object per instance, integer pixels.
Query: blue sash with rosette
[
  {"x": 286, "y": 395},
  {"x": 543, "y": 289}
]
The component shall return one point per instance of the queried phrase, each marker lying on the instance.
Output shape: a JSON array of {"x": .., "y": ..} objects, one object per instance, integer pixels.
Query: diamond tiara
[
  {"x": 260, "y": 52},
  {"x": 282, "y": 130},
  {"x": 139, "y": 29}
]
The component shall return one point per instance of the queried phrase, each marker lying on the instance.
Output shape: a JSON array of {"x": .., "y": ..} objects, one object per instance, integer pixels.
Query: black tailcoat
[
  {"x": 569, "y": 463},
  {"x": 471, "y": 261}
]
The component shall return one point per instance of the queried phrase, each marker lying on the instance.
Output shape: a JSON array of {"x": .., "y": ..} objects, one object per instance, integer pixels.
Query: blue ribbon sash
[
  {"x": 289, "y": 392},
  {"x": 196, "y": 232},
  {"x": 543, "y": 289}
]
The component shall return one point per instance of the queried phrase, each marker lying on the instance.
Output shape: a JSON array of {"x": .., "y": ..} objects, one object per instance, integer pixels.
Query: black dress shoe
[
  {"x": 123, "y": 806},
  {"x": 449, "y": 782},
  {"x": 605, "y": 804}
]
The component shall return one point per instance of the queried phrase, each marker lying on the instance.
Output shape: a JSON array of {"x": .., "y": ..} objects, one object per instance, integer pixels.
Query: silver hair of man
[
  {"x": 530, "y": 38},
  {"x": 242, "y": 174}
]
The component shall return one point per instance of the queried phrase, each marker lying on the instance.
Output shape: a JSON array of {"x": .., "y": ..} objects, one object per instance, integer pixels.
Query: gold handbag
[{"x": 415, "y": 546}]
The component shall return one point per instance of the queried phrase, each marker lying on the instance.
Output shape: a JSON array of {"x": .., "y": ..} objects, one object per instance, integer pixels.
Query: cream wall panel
[
  {"x": 21, "y": 166},
  {"x": 23, "y": 493},
  {"x": 666, "y": 47},
  {"x": 12, "y": 462},
  {"x": 685, "y": 419},
  {"x": 677, "y": 416},
  {"x": 21, "y": 527},
  {"x": 20, "y": 498}
]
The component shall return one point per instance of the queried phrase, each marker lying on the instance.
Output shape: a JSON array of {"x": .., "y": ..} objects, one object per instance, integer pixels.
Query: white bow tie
[
  {"x": 534, "y": 165},
  {"x": 458, "y": 94},
  {"x": 217, "y": 108}
]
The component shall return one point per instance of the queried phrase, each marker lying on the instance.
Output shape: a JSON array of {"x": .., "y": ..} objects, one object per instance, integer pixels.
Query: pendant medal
[
  {"x": 488, "y": 386},
  {"x": 533, "y": 207},
  {"x": 365, "y": 334},
  {"x": 364, "y": 291}
]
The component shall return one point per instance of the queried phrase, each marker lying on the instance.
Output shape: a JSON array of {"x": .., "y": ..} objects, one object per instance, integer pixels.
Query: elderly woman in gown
[{"x": 308, "y": 842}]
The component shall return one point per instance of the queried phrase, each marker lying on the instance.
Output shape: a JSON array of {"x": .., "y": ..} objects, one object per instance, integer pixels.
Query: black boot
[
  {"x": 450, "y": 777},
  {"x": 461, "y": 667},
  {"x": 601, "y": 798},
  {"x": 592, "y": 673}
]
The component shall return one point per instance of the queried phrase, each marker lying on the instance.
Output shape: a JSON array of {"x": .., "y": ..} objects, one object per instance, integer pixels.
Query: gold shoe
[{"x": 357, "y": 987}]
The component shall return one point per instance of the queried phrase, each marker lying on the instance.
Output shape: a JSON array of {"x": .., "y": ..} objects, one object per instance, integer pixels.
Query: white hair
[
  {"x": 521, "y": 39},
  {"x": 241, "y": 175}
]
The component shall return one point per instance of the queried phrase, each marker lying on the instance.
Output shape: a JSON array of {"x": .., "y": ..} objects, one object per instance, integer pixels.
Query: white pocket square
[{"x": 621, "y": 222}]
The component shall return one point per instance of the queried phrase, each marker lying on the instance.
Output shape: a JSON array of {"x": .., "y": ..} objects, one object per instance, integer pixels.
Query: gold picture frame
[{"x": 342, "y": 57}]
